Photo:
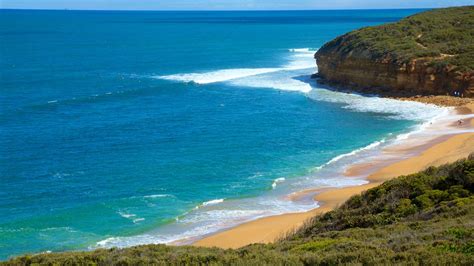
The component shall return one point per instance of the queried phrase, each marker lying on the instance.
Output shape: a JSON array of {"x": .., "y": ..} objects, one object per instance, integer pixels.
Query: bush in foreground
[{"x": 424, "y": 218}]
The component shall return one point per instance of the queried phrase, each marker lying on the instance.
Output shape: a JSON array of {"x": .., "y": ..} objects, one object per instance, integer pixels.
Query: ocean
[{"x": 126, "y": 128}]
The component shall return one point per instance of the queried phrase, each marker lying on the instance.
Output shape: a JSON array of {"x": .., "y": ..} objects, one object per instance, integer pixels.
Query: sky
[{"x": 227, "y": 4}]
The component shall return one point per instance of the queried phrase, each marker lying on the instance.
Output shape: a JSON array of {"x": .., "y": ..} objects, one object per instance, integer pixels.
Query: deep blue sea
[{"x": 122, "y": 128}]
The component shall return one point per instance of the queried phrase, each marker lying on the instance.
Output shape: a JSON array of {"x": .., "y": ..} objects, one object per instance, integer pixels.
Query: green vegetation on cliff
[
  {"x": 444, "y": 36},
  {"x": 429, "y": 53},
  {"x": 424, "y": 218}
]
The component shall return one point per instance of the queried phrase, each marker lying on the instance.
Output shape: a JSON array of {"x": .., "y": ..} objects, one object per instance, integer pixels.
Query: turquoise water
[{"x": 119, "y": 128}]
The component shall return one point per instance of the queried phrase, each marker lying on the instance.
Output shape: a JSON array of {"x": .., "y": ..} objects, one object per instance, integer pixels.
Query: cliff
[{"x": 430, "y": 53}]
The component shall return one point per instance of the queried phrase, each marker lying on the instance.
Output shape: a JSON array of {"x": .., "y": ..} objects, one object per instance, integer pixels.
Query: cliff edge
[{"x": 430, "y": 53}]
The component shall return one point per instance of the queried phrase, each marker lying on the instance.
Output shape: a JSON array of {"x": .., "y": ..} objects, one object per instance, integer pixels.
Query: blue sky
[{"x": 227, "y": 4}]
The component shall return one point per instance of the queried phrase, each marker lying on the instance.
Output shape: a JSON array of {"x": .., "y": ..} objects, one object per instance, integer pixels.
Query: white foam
[
  {"x": 218, "y": 75},
  {"x": 212, "y": 202},
  {"x": 276, "y": 181},
  {"x": 202, "y": 222},
  {"x": 352, "y": 153},
  {"x": 146, "y": 239},
  {"x": 437, "y": 126},
  {"x": 157, "y": 196},
  {"x": 299, "y": 59},
  {"x": 282, "y": 80},
  {"x": 336, "y": 182},
  {"x": 131, "y": 216},
  {"x": 126, "y": 215},
  {"x": 397, "y": 109},
  {"x": 302, "y": 58},
  {"x": 223, "y": 216},
  {"x": 106, "y": 242},
  {"x": 256, "y": 175},
  {"x": 302, "y": 50},
  {"x": 63, "y": 228},
  {"x": 137, "y": 220}
]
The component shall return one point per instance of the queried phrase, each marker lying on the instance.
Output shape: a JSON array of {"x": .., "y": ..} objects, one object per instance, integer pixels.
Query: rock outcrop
[{"x": 405, "y": 58}]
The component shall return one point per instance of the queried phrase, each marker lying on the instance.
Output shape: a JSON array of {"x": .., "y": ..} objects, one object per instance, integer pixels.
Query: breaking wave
[
  {"x": 299, "y": 59},
  {"x": 352, "y": 153},
  {"x": 277, "y": 181}
]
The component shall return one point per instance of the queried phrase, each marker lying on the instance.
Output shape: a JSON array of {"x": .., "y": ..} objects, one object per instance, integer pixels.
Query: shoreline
[{"x": 437, "y": 151}]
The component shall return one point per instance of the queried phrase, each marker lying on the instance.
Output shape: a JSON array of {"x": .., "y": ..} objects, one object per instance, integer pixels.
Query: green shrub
[
  {"x": 427, "y": 35},
  {"x": 424, "y": 201},
  {"x": 405, "y": 207},
  {"x": 316, "y": 245},
  {"x": 420, "y": 219},
  {"x": 459, "y": 233}
]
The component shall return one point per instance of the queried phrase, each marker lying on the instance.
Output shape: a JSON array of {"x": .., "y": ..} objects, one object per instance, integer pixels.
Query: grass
[
  {"x": 443, "y": 37},
  {"x": 424, "y": 218}
]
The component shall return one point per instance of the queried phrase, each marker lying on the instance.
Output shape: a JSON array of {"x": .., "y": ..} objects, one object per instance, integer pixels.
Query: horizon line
[{"x": 218, "y": 10}]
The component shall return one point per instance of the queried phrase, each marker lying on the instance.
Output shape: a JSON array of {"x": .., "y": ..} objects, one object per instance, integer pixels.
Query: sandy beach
[{"x": 443, "y": 149}]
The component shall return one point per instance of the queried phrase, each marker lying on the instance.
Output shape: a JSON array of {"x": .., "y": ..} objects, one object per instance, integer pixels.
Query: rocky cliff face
[
  {"x": 430, "y": 53},
  {"x": 360, "y": 70}
]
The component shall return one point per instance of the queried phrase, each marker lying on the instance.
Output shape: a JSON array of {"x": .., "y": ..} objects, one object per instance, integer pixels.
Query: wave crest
[
  {"x": 300, "y": 58},
  {"x": 277, "y": 181},
  {"x": 218, "y": 75},
  {"x": 212, "y": 202}
]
